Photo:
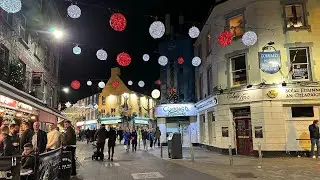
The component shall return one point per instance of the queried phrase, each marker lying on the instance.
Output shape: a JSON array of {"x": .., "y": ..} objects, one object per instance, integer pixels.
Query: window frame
[
  {"x": 200, "y": 86},
  {"x": 23, "y": 27},
  {"x": 231, "y": 71},
  {"x": 208, "y": 43},
  {"x": 233, "y": 14},
  {"x": 305, "y": 12},
  {"x": 308, "y": 64},
  {"x": 209, "y": 81}
]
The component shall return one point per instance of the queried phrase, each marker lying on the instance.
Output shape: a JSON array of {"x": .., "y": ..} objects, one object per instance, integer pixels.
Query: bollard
[
  {"x": 192, "y": 152},
  {"x": 161, "y": 152},
  {"x": 260, "y": 155},
  {"x": 230, "y": 156}
]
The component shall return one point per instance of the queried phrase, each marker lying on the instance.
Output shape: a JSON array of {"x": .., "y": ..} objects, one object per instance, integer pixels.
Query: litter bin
[
  {"x": 175, "y": 146},
  {"x": 65, "y": 165}
]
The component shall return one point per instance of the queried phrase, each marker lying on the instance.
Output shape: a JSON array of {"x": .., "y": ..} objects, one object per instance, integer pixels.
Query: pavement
[{"x": 207, "y": 165}]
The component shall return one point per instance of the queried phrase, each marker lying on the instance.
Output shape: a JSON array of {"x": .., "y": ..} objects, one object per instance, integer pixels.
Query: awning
[
  {"x": 110, "y": 120},
  {"x": 12, "y": 92}
]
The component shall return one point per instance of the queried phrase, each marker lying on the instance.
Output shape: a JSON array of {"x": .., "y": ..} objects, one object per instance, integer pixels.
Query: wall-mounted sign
[
  {"x": 294, "y": 93},
  {"x": 238, "y": 96},
  {"x": 81, "y": 123},
  {"x": 8, "y": 101},
  {"x": 270, "y": 62},
  {"x": 206, "y": 104},
  {"x": 175, "y": 110},
  {"x": 24, "y": 106}
]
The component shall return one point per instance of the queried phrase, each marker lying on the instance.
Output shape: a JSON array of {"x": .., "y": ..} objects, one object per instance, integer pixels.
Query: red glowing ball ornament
[
  {"x": 118, "y": 22},
  {"x": 225, "y": 38},
  {"x": 158, "y": 82},
  {"x": 75, "y": 84},
  {"x": 123, "y": 59},
  {"x": 115, "y": 84},
  {"x": 180, "y": 60}
]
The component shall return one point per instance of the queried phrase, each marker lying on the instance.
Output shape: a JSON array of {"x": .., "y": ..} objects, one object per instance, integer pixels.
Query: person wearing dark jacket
[
  {"x": 28, "y": 159},
  {"x": 6, "y": 147},
  {"x": 14, "y": 134},
  {"x": 120, "y": 134},
  {"x": 39, "y": 138},
  {"x": 314, "y": 137},
  {"x": 145, "y": 134},
  {"x": 134, "y": 141},
  {"x": 101, "y": 136},
  {"x": 27, "y": 134},
  {"x": 112, "y": 134},
  {"x": 69, "y": 140}
]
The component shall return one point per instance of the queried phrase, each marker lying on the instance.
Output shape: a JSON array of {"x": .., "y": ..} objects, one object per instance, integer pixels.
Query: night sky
[{"x": 92, "y": 32}]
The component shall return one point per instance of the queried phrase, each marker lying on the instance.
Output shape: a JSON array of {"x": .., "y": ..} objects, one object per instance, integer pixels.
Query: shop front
[
  {"x": 90, "y": 124},
  {"x": 180, "y": 118}
]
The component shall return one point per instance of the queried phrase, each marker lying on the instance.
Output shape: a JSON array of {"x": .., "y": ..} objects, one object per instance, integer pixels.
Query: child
[{"x": 28, "y": 160}]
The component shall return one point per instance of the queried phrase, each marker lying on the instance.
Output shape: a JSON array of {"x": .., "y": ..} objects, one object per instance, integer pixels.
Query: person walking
[
  {"x": 101, "y": 136},
  {"x": 69, "y": 140},
  {"x": 144, "y": 134},
  {"x": 157, "y": 137},
  {"x": 151, "y": 138},
  {"x": 126, "y": 136},
  {"x": 314, "y": 137},
  {"x": 53, "y": 138},
  {"x": 39, "y": 138},
  {"x": 112, "y": 134},
  {"x": 134, "y": 140},
  {"x": 120, "y": 134}
]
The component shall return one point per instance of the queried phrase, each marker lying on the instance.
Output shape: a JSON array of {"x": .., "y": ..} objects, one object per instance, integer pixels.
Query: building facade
[{"x": 266, "y": 94}]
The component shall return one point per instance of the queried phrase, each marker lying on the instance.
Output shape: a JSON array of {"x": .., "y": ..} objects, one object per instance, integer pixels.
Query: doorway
[{"x": 243, "y": 129}]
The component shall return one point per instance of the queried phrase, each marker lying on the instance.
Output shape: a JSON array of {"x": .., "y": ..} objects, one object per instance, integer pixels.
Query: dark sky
[{"x": 92, "y": 31}]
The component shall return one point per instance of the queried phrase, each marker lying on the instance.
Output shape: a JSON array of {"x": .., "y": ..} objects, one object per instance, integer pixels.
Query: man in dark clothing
[
  {"x": 145, "y": 135},
  {"x": 120, "y": 134},
  {"x": 101, "y": 136},
  {"x": 39, "y": 138},
  {"x": 27, "y": 134},
  {"x": 314, "y": 137},
  {"x": 14, "y": 130},
  {"x": 28, "y": 160},
  {"x": 69, "y": 140},
  {"x": 6, "y": 148},
  {"x": 112, "y": 134},
  {"x": 134, "y": 137}
]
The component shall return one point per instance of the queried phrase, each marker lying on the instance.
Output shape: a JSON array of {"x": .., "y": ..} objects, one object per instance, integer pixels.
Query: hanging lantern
[
  {"x": 141, "y": 84},
  {"x": 118, "y": 22},
  {"x": 146, "y": 57},
  {"x": 74, "y": 11},
  {"x": 225, "y": 38},
  {"x": 123, "y": 59},
  {"x": 76, "y": 50},
  {"x": 194, "y": 32},
  {"x": 180, "y": 60},
  {"x": 101, "y": 84},
  {"x": 115, "y": 84},
  {"x": 163, "y": 60},
  {"x": 102, "y": 55},
  {"x": 249, "y": 38},
  {"x": 89, "y": 83},
  {"x": 75, "y": 84},
  {"x": 196, "y": 61},
  {"x": 155, "y": 93},
  {"x": 11, "y": 6},
  {"x": 157, "y": 29},
  {"x": 130, "y": 83}
]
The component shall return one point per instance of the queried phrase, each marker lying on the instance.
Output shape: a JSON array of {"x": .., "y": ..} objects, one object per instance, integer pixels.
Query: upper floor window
[
  {"x": 300, "y": 64},
  {"x": 8, "y": 17},
  {"x": 201, "y": 86},
  {"x": 238, "y": 70},
  {"x": 103, "y": 100},
  {"x": 209, "y": 81},
  {"x": 200, "y": 51},
  {"x": 236, "y": 25},
  {"x": 208, "y": 43},
  {"x": 295, "y": 16},
  {"x": 22, "y": 29}
]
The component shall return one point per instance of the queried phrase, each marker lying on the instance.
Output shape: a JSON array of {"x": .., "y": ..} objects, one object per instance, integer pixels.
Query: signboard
[
  {"x": 270, "y": 62},
  {"x": 49, "y": 165},
  {"x": 206, "y": 104},
  {"x": 294, "y": 93},
  {"x": 10, "y": 168},
  {"x": 8, "y": 101},
  {"x": 175, "y": 110}
]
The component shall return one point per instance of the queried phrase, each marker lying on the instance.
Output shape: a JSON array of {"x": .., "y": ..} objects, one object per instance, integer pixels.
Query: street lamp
[
  {"x": 65, "y": 90},
  {"x": 58, "y": 34}
]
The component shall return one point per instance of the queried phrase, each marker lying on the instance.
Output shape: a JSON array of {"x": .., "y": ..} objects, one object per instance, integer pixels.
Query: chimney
[
  {"x": 115, "y": 71},
  {"x": 167, "y": 24}
]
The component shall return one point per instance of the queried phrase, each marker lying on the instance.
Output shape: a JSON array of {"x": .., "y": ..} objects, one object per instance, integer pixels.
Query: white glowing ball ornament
[
  {"x": 130, "y": 83},
  {"x": 89, "y": 83},
  {"x": 141, "y": 84},
  {"x": 146, "y": 57},
  {"x": 155, "y": 93},
  {"x": 194, "y": 32},
  {"x": 76, "y": 50},
  {"x": 163, "y": 60},
  {"x": 101, "y": 84},
  {"x": 157, "y": 29},
  {"x": 74, "y": 11},
  {"x": 249, "y": 38},
  {"x": 102, "y": 55},
  {"x": 11, "y": 6},
  {"x": 196, "y": 61}
]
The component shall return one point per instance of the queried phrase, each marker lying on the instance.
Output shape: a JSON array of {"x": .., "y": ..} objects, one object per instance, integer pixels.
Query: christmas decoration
[
  {"x": 101, "y": 84},
  {"x": 141, "y": 84},
  {"x": 123, "y": 59},
  {"x": 89, "y": 83},
  {"x": 194, "y": 32},
  {"x": 68, "y": 104},
  {"x": 76, "y": 50},
  {"x": 157, "y": 29},
  {"x": 180, "y": 60},
  {"x": 146, "y": 57},
  {"x": 16, "y": 76},
  {"x": 74, "y": 11},
  {"x": 130, "y": 83},
  {"x": 196, "y": 61},
  {"x": 155, "y": 93},
  {"x": 115, "y": 84},
  {"x": 118, "y": 22},
  {"x": 172, "y": 96},
  {"x": 75, "y": 84},
  {"x": 225, "y": 38},
  {"x": 102, "y": 55},
  {"x": 157, "y": 82},
  {"x": 11, "y": 6},
  {"x": 163, "y": 60},
  {"x": 249, "y": 38}
]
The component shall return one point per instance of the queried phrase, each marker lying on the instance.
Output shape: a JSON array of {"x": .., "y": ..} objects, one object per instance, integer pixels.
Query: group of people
[{"x": 101, "y": 135}]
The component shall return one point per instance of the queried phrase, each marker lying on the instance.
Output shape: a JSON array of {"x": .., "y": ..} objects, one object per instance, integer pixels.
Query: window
[
  {"x": 200, "y": 51},
  {"x": 209, "y": 81},
  {"x": 299, "y": 59},
  {"x": 8, "y": 17},
  {"x": 208, "y": 43},
  {"x": 200, "y": 86},
  {"x": 103, "y": 100},
  {"x": 236, "y": 25},
  {"x": 294, "y": 16},
  {"x": 238, "y": 71},
  {"x": 23, "y": 26},
  {"x": 302, "y": 111}
]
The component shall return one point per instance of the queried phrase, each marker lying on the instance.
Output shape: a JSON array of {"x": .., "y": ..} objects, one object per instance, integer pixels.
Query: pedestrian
[
  {"x": 314, "y": 137},
  {"x": 6, "y": 147},
  {"x": 144, "y": 134},
  {"x": 112, "y": 135},
  {"x": 53, "y": 137},
  {"x": 101, "y": 136},
  {"x": 120, "y": 135},
  {"x": 126, "y": 136},
  {"x": 134, "y": 140},
  {"x": 151, "y": 138},
  {"x": 88, "y": 135},
  {"x": 69, "y": 141},
  {"x": 14, "y": 134},
  {"x": 157, "y": 137},
  {"x": 39, "y": 138},
  {"x": 26, "y": 135}
]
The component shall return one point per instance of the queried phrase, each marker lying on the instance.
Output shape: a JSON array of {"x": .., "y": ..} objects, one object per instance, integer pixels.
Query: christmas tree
[{"x": 16, "y": 75}]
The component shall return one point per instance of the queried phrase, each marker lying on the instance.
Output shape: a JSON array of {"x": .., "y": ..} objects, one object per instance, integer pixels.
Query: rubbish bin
[
  {"x": 175, "y": 147},
  {"x": 65, "y": 165}
]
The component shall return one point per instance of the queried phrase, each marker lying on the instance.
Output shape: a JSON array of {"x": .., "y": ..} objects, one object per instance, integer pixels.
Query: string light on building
[
  {"x": 163, "y": 60},
  {"x": 11, "y": 6},
  {"x": 102, "y": 55},
  {"x": 141, "y": 84},
  {"x": 101, "y": 84},
  {"x": 155, "y": 93},
  {"x": 146, "y": 57},
  {"x": 249, "y": 38},
  {"x": 74, "y": 11},
  {"x": 89, "y": 83},
  {"x": 76, "y": 50},
  {"x": 196, "y": 61},
  {"x": 130, "y": 83},
  {"x": 194, "y": 32},
  {"x": 157, "y": 29},
  {"x": 68, "y": 104}
]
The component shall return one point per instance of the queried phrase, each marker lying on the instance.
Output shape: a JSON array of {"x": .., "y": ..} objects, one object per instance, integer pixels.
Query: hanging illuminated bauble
[
  {"x": 141, "y": 84},
  {"x": 163, "y": 60},
  {"x": 68, "y": 104},
  {"x": 249, "y": 38},
  {"x": 225, "y": 38},
  {"x": 130, "y": 83},
  {"x": 11, "y": 6},
  {"x": 146, "y": 57},
  {"x": 155, "y": 93},
  {"x": 196, "y": 61},
  {"x": 115, "y": 84},
  {"x": 157, "y": 82},
  {"x": 101, "y": 84},
  {"x": 89, "y": 83},
  {"x": 76, "y": 50},
  {"x": 180, "y": 60},
  {"x": 118, "y": 22},
  {"x": 102, "y": 55},
  {"x": 157, "y": 29},
  {"x": 75, "y": 84},
  {"x": 74, "y": 11},
  {"x": 123, "y": 59},
  {"x": 194, "y": 32}
]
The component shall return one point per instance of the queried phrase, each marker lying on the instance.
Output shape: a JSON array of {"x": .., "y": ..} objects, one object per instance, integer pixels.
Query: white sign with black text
[
  {"x": 208, "y": 103},
  {"x": 175, "y": 110}
]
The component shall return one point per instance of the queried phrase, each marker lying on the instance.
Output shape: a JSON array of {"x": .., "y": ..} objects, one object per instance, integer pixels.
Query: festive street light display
[
  {"x": 102, "y": 55},
  {"x": 11, "y": 6},
  {"x": 146, "y": 57},
  {"x": 155, "y": 93},
  {"x": 163, "y": 60},
  {"x": 225, "y": 38},
  {"x": 180, "y": 60},
  {"x": 115, "y": 84},
  {"x": 89, "y": 83},
  {"x": 68, "y": 104},
  {"x": 130, "y": 83},
  {"x": 157, "y": 29},
  {"x": 249, "y": 38},
  {"x": 194, "y": 32},
  {"x": 118, "y": 22},
  {"x": 74, "y": 11},
  {"x": 124, "y": 59},
  {"x": 101, "y": 84},
  {"x": 196, "y": 61},
  {"x": 75, "y": 84},
  {"x": 76, "y": 50},
  {"x": 141, "y": 84}
]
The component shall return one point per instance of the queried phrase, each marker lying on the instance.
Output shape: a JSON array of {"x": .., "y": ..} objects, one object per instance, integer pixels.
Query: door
[
  {"x": 244, "y": 136},
  {"x": 185, "y": 136}
]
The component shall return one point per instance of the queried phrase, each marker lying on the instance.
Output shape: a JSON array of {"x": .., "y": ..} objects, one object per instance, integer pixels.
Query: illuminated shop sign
[{"x": 175, "y": 110}]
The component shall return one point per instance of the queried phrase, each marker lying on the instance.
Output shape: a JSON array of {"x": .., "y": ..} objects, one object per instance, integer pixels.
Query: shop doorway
[
  {"x": 180, "y": 125},
  {"x": 243, "y": 130}
]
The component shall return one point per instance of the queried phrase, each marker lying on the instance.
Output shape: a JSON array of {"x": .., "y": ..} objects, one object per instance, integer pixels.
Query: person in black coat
[
  {"x": 39, "y": 138},
  {"x": 314, "y": 137},
  {"x": 120, "y": 134},
  {"x": 6, "y": 147},
  {"x": 101, "y": 136},
  {"x": 112, "y": 134},
  {"x": 26, "y": 135},
  {"x": 28, "y": 159},
  {"x": 69, "y": 140},
  {"x": 134, "y": 140}
]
